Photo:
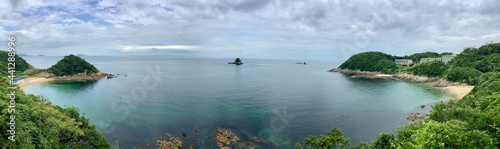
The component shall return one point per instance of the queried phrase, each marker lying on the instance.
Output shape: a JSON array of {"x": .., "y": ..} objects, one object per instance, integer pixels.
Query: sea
[{"x": 278, "y": 101}]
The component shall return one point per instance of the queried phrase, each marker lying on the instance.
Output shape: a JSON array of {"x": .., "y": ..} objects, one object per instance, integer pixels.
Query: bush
[
  {"x": 465, "y": 75},
  {"x": 331, "y": 140},
  {"x": 41, "y": 124},
  {"x": 384, "y": 141},
  {"x": 452, "y": 134}
]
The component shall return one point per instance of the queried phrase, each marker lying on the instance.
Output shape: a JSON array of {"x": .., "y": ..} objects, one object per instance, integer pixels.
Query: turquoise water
[{"x": 277, "y": 100}]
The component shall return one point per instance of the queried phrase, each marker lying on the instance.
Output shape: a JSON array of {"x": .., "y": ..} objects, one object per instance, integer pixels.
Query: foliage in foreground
[
  {"x": 72, "y": 65},
  {"x": 333, "y": 139},
  {"x": 41, "y": 124}
]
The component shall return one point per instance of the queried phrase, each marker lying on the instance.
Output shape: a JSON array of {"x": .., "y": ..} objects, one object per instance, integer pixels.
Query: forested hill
[
  {"x": 382, "y": 62},
  {"x": 71, "y": 65},
  {"x": 20, "y": 64},
  {"x": 371, "y": 61}
]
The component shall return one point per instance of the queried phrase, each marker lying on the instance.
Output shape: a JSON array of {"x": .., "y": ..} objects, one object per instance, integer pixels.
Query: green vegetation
[
  {"x": 371, "y": 61},
  {"x": 464, "y": 75},
  {"x": 39, "y": 123},
  {"x": 470, "y": 122},
  {"x": 334, "y": 139},
  {"x": 418, "y": 56},
  {"x": 72, "y": 65},
  {"x": 21, "y": 64},
  {"x": 430, "y": 69}
]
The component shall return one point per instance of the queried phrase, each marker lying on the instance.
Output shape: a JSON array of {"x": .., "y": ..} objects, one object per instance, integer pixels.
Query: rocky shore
[
  {"x": 459, "y": 90},
  {"x": 361, "y": 74},
  {"x": 43, "y": 77},
  {"x": 225, "y": 138}
]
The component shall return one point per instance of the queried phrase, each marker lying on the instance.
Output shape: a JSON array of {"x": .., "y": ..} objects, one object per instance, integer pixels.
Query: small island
[
  {"x": 70, "y": 68},
  {"x": 236, "y": 62}
]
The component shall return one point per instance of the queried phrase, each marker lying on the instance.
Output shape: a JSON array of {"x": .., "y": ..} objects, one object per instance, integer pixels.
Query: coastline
[
  {"x": 30, "y": 81},
  {"x": 458, "y": 90},
  {"x": 44, "y": 77}
]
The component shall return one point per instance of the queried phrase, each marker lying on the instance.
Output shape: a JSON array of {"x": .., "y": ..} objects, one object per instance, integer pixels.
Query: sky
[{"x": 266, "y": 29}]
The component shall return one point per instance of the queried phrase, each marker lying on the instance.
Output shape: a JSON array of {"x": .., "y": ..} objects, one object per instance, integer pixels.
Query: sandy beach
[
  {"x": 30, "y": 81},
  {"x": 459, "y": 91}
]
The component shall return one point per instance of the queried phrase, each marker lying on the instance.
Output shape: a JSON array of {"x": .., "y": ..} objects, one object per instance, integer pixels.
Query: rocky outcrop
[
  {"x": 174, "y": 143},
  {"x": 414, "y": 78},
  {"x": 415, "y": 116},
  {"x": 433, "y": 81},
  {"x": 361, "y": 74},
  {"x": 227, "y": 139},
  {"x": 224, "y": 139},
  {"x": 78, "y": 77},
  {"x": 31, "y": 69},
  {"x": 355, "y": 72},
  {"x": 42, "y": 75}
]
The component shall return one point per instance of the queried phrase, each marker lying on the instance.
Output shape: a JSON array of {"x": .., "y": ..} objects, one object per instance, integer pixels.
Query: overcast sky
[{"x": 290, "y": 29}]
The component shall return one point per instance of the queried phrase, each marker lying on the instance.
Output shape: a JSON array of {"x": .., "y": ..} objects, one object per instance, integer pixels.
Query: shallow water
[{"x": 277, "y": 100}]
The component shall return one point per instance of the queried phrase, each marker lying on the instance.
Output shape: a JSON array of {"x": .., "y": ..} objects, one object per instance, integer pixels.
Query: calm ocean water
[{"x": 277, "y": 100}]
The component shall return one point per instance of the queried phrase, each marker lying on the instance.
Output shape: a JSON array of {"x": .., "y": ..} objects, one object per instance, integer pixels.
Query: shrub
[
  {"x": 384, "y": 141},
  {"x": 465, "y": 75}
]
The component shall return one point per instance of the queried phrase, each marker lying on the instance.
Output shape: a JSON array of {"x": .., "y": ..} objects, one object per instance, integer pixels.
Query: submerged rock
[
  {"x": 415, "y": 116},
  {"x": 422, "y": 106},
  {"x": 174, "y": 143}
]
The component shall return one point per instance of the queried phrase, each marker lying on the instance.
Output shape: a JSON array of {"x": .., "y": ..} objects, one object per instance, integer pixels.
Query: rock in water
[{"x": 237, "y": 62}]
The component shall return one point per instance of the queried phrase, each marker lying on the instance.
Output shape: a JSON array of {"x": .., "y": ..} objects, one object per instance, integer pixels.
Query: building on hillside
[
  {"x": 425, "y": 60},
  {"x": 447, "y": 58},
  {"x": 404, "y": 62}
]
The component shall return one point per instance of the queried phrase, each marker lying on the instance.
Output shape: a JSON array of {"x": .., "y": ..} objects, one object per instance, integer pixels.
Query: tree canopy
[
  {"x": 72, "y": 65},
  {"x": 371, "y": 61},
  {"x": 21, "y": 64}
]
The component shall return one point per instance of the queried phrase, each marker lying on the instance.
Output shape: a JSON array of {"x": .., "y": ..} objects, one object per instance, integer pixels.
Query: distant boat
[{"x": 300, "y": 63}]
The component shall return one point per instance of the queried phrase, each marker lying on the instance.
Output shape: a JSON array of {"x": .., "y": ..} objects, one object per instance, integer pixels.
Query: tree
[
  {"x": 333, "y": 139},
  {"x": 463, "y": 74}
]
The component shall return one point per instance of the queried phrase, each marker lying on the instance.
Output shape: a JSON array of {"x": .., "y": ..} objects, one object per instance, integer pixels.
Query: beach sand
[
  {"x": 30, "y": 81},
  {"x": 459, "y": 91},
  {"x": 383, "y": 75}
]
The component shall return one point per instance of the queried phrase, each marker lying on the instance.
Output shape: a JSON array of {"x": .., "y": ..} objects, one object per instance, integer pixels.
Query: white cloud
[
  {"x": 168, "y": 47},
  {"x": 309, "y": 27}
]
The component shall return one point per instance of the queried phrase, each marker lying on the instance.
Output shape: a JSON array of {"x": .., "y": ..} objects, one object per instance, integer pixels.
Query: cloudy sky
[{"x": 290, "y": 29}]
